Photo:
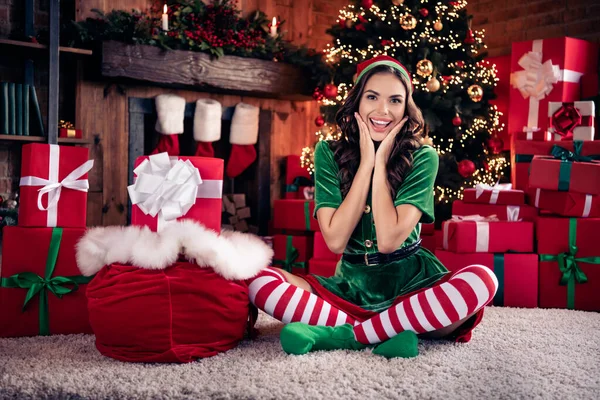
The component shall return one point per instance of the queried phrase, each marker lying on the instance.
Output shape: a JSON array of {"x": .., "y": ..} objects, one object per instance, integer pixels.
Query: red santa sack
[{"x": 150, "y": 303}]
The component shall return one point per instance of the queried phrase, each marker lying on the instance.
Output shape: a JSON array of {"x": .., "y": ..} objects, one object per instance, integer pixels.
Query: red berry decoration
[
  {"x": 456, "y": 121},
  {"x": 447, "y": 78},
  {"x": 466, "y": 168},
  {"x": 496, "y": 145},
  {"x": 317, "y": 94},
  {"x": 330, "y": 91},
  {"x": 367, "y": 3},
  {"x": 460, "y": 63},
  {"x": 319, "y": 121},
  {"x": 424, "y": 12}
]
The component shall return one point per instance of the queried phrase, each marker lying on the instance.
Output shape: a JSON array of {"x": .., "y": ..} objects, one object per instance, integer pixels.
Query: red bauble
[
  {"x": 466, "y": 168},
  {"x": 496, "y": 145},
  {"x": 319, "y": 121},
  {"x": 366, "y": 3},
  {"x": 342, "y": 23},
  {"x": 330, "y": 91},
  {"x": 317, "y": 95},
  {"x": 424, "y": 12},
  {"x": 470, "y": 39},
  {"x": 456, "y": 121}
]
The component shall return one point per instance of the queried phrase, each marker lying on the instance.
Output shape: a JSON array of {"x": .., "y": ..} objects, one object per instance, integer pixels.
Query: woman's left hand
[{"x": 385, "y": 148}]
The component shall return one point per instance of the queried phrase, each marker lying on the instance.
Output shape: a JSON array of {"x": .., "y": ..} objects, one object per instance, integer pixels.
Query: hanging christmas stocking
[
  {"x": 170, "y": 110},
  {"x": 243, "y": 137},
  {"x": 207, "y": 126}
]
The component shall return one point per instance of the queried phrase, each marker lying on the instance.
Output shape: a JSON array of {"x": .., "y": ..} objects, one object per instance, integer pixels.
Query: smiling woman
[{"x": 373, "y": 188}]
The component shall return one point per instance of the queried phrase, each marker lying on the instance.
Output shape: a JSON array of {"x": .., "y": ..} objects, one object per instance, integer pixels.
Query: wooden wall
[{"x": 102, "y": 112}]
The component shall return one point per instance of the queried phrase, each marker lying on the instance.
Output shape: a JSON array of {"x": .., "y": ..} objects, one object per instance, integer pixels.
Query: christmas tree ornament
[
  {"x": 367, "y": 3},
  {"x": 496, "y": 145},
  {"x": 408, "y": 22},
  {"x": 330, "y": 91},
  {"x": 469, "y": 39},
  {"x": 397, "y": 2},
  {"x": 207, "y": 126},
  {"x": 424, "y": 12},
  {"x": 317, "y": 94},
  {"x": 243, "y": 136},
  {"x": 170, "y": 111},
  {"x": 433, "y": 85},
  {"x": 349, "y": 23},
  {"x": 475, "y": 92},
  {"x": 342, "y": 23},
  {"x": 447, "y": 78},
  {"x": 319, "y": 121},
  {"x": 424, "y": 68},
  {"x": 466, "y": 168},
  {"x": 457, "y": 121},
  {"x": 438, "y": 26}
]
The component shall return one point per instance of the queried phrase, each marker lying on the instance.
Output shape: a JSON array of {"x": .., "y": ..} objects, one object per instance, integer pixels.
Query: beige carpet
[{"x": 514, "y": 354}]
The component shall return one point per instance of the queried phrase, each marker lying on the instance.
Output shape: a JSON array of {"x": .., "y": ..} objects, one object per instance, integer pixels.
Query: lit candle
[
  {"x": 165, "y": 19},
  {"x": 274, "y": 27}
]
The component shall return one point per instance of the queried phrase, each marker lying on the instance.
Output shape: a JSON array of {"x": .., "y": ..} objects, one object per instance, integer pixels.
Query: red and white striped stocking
[
  {"x": 270, "y": 292},
  {"x": 442, "y": 305}
]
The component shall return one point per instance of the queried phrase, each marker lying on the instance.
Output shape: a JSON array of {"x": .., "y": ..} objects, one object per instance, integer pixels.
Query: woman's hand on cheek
[
  {"x": 367, "y": 148},
  {"x": 385, "y": 148}
]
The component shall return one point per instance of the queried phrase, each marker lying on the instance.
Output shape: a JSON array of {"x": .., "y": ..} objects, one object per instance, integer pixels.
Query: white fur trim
[
  {"x": 207, "y": 120},
  {"x": 233, "y": 255},
  {"x": 244, "y": 125},
  {"x": 170, "y": 110}
]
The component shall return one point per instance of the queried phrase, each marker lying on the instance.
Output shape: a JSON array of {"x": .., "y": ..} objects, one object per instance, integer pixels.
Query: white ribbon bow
[
  {"x": 53, "y": 187},
  {"x": 536, "y": 79},
  {"x": 495, "y": 189},
  {"x": 165, "y": 186}
]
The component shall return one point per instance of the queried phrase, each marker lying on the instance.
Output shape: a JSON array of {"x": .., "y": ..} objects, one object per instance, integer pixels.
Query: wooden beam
[{"x": 230, "y": 74}]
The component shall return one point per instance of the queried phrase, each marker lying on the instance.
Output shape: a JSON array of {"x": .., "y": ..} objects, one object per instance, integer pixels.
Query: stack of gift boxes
[
  {"x": 552, "y": 153},
  {"x": 42, "y": 291},
  {"x": 493, "y": 226}
]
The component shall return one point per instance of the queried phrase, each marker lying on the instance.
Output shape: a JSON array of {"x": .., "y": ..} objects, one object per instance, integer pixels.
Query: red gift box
[
  {"x": 496, "y": 194},
  {"x": 295, "y": 215},
  {"x": 569, "y": 263},
  {"x": 503, "y": 212},
  {"x": 53, "y": 186},
  {"x": 321, "y": 251},
  {"x": 523, "y": 151},
  {"x": 429, "y": 242},
  {"x": 52, "y": 261},
  {"x": 291, "y": 253},
  {"x": 175, "y": 188},
  {"x": 555, "y": 174},
  {"x": 325, "y": 268},
  {"x": 427, "y": 229},
  {"x": 70, "y": 133},
  {"x": 543, "y": 71},
  {"x": 517, "y": 274},
  {"x": 297, "y": 179},
  {"x": 477, "y": 234},
  {"x": 567, "y": 204}
]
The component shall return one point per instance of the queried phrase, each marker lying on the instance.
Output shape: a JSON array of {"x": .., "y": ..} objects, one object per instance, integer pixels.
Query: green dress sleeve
[
  {"x": 327, "y": 183},
  {"x": 417, "y": 187}
]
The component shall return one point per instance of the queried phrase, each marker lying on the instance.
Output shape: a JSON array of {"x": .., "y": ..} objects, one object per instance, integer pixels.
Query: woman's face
[{"x": 382, "y": 104}]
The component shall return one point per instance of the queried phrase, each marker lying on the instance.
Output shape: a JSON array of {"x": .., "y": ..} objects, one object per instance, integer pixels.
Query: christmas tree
[{"x": 453, "y": 85}]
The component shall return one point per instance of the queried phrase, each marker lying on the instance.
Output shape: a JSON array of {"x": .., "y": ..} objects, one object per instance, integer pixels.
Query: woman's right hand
[{"x": 367, "y": 148}]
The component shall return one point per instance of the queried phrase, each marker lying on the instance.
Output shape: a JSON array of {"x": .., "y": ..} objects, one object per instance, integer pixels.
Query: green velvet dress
[{"x": 374, "y": 288}]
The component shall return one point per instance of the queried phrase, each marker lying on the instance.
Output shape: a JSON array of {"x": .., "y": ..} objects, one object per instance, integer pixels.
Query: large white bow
[
  {"x": 165, "y": 186},
  {"x": 536, "y": 79}
]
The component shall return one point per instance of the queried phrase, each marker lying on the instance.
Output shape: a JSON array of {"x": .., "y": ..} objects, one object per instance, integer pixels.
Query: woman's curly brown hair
[{"x": 347, "y": 149}]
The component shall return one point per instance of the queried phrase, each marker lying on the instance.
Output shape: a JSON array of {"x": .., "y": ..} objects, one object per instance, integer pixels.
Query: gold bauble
[
  {"x": 408, "y": 21},
  {"x": 424, "y": 68},
  {"x": 433, "y": 85},
  {"x": 438, "y": 26},
  {"x": 397, "y": 2},
  {"x": 475, "y": 92}
]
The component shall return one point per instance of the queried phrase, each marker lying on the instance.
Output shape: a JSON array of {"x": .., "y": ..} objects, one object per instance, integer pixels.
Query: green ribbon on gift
[
  {"x": 297, "y": 182},
  {"x": 291, "y": 255},
  {"x": 307, "y": 215},
  {"x": 499, "y": 272},
  {"x": 567, "y": 263},
  {"x": 567, "y": 159},
  {"x": 523, "y": 158},
  {"x": 37, "y": 285}
]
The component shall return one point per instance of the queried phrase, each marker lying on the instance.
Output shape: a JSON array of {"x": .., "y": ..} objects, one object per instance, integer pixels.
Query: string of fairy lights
[{"x": 483, "y": 73}]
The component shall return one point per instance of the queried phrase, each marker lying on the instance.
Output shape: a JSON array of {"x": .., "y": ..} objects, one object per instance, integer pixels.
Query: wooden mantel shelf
[{"x": 198, "y": 71}]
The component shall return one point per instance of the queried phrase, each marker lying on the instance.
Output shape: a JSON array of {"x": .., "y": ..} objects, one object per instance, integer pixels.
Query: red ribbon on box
[{"x": 567, "y": 118}]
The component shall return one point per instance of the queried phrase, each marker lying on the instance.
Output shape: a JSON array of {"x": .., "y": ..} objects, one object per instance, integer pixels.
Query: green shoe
[
  {"x": 402, "y": 345},
  {"x": 300, "y": 338}
]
